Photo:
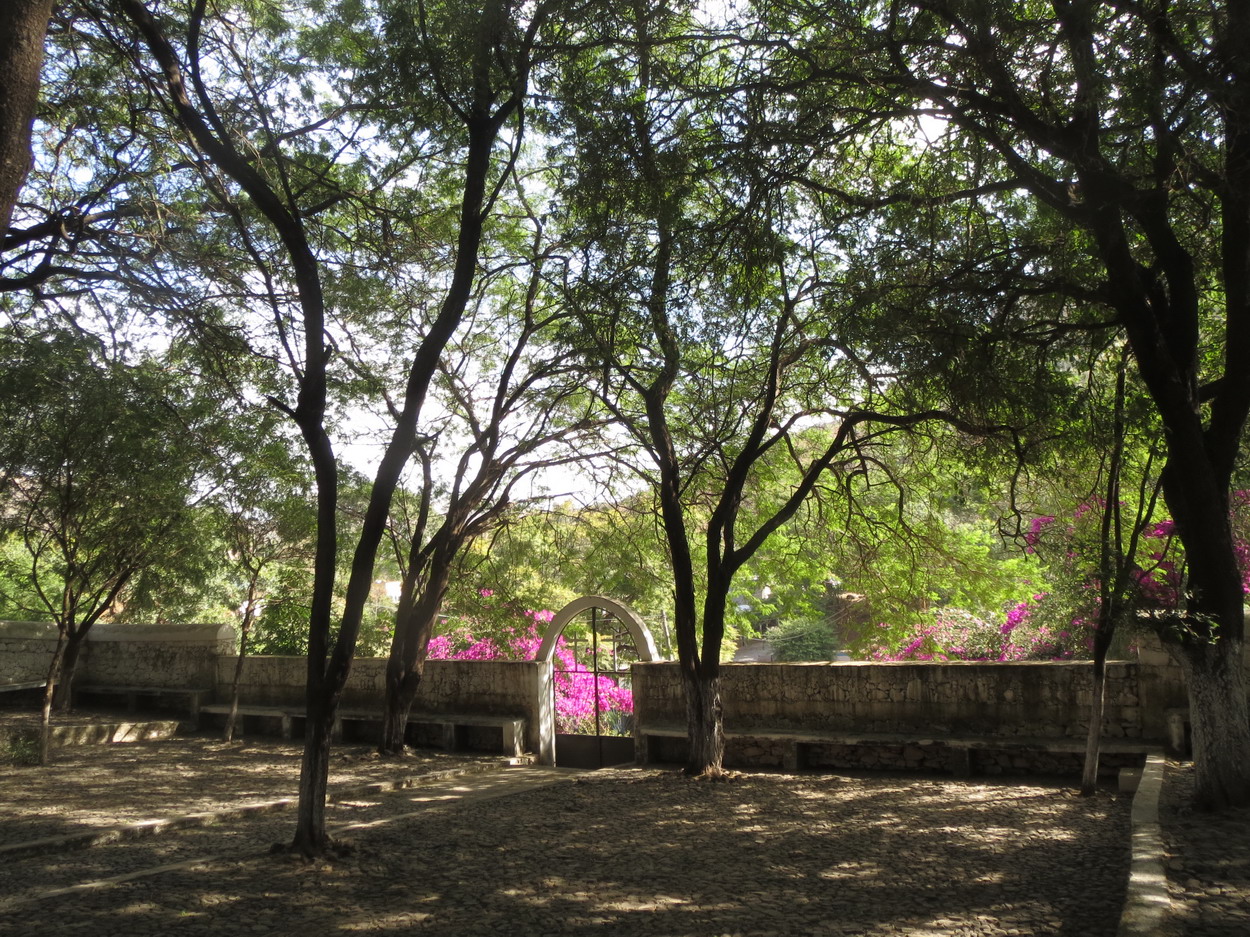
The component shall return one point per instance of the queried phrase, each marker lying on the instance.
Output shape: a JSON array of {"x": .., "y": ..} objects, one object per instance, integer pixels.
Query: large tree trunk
[
  {"x": 402, "y": 683},
  {"x": 705, "y": 726},
  {"x": 23, "y": 26},
  {"x": 414, "y": 626},
  {"x": 1220, "y": 722},
  {"x": 311, "y": 838}
]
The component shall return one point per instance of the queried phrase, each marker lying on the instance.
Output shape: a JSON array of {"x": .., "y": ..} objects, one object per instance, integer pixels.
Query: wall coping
[
  {"x": 903, "y": 663},
  {"x": 17, "y": 630}
]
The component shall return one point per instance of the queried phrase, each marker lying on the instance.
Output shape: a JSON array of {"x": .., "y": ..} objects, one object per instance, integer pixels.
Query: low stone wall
[
  {"x": 1024, "y": 699},
  {"x": 155, "y": 655},
  {"x": 467, "y": 687},
  {"x": 25, "y": 650},
  {"x": 120, "y": 655}
]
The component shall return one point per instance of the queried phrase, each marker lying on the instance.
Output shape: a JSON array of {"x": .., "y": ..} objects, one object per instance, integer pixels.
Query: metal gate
[{"x": 593, "y": 703}]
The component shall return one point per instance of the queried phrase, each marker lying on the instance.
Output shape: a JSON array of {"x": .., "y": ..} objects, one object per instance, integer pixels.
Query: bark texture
[
  {"x": 1219, "y": 719},
  {"x": 23, "y": 27},
  {"x": 1093, "y": 739},
  {"x": 705, "y": 725}
]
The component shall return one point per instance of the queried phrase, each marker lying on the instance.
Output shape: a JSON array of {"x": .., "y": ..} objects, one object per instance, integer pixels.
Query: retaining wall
[
  {"x": 1046, "y": 699},
  {"x": 1027, "y": 699},
  {"x": 25, "y": 650},
  {"x": 120, "y": 655}
]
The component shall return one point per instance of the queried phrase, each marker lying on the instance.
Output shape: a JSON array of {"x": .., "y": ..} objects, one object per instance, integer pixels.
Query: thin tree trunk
[
  {"x": 705, "y": 728},
  {"x": 227, "y": 733},
  {"x": 1093, "y": 740},
  {"x": 245, "y": 630},
  {"x": 45, "y": 717},
  {"x": 1220, "y": 721}
]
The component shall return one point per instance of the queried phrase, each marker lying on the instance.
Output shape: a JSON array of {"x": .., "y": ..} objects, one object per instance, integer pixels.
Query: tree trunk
[
  {"x": 1220, "y": 721},
  {"x": 401, "y": 691},
  {"x": 23, "y": 26},
  {"x": 705, "y": 727},
  {"x": 1093, "y": 740},
  {"x": 311, "y": 839},
  {"x": 231, "y": 717},
  {"x": 414, "y": 626},
  {"x": 69, "y": 665},
  {"x": 45, "y": 718}
]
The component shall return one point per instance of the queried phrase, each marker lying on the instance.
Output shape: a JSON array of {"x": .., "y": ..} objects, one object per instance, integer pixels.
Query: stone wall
[
  {"x": 1032, "y": 699},
  {"x": 155, "y": 655},
  {"x": 25, "y": 650},
  {"x": 120, "y": 655}
]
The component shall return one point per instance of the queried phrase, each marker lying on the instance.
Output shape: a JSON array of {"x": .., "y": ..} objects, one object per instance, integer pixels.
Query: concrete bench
[
  {"x": 452, "y": 727},
  {"x": 19, "y": 687},
  {"x": 281, "y": 716},
  {"x": 189, "y": 698},
  {"x": 797, "y": 744}
]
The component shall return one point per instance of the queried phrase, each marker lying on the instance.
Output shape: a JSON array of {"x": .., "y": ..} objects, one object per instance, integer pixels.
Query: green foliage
[
  {"x": 801, "y": 639},
  {"x": 20, "y": 748},
  {"x": 99, "y": 470}
]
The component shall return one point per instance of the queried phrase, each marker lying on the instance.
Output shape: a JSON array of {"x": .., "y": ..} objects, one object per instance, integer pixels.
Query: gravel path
[{"x": 543, "y": 851}]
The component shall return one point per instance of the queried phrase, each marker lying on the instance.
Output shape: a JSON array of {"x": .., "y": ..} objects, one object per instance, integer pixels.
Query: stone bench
[
  {"x": 796, "y": 744},
  {"x": 189, "y": 698},
  {"x": 452, "y": 727},
  {"x": 19, "y": 687},
  {"x": 283, "y": 717}
]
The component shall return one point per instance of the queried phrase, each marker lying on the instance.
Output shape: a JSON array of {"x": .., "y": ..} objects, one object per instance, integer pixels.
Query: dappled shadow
[
  {"x": 94, "y": 787},
  {"x": 1208, "y": 862},
  {"x": 652, "y": 853}
]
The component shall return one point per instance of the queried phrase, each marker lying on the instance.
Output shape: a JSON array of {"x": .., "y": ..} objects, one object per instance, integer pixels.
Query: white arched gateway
[
  {"x": 605, "y": 737},
  {"x": 623, "y": 613}
]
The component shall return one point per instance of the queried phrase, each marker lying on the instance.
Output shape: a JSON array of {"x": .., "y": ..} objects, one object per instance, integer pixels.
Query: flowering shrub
[
  {"x": 956, "y": 634},
  {"x": 576, "y": 686},
  {"x": 1059, "y": 624}
]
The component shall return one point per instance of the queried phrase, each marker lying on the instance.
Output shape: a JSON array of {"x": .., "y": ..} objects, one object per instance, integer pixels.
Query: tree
[
  {"x": 514, "y": 406},
  {"x": 268, "y": 524},
  {"x": 478, "y": 87},
  {"x": 1129, "y": 125},
  {"x": 714, "y": 305},
  {"x": 102, "y": 473}
]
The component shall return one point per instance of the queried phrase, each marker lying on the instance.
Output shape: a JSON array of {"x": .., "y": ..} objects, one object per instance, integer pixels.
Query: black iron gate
[{"x": 593, "y": 703}]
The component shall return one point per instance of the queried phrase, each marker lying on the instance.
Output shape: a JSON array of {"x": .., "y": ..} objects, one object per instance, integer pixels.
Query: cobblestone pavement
[
  {"x": 1207, "y": 862},
  {"x": 637, "y": 852}
]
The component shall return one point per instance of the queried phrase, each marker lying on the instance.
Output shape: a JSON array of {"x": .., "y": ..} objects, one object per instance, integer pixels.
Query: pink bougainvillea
[{"x": 576, "y": 686}]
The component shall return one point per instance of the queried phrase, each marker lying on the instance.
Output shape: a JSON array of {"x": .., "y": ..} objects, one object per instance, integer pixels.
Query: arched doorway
[{"x": 591, "y": 682}]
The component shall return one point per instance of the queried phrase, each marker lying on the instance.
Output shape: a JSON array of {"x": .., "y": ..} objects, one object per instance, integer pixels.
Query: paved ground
[
  {"x": 1207, "y": 863},
  {"x": 541, "y": 851}
]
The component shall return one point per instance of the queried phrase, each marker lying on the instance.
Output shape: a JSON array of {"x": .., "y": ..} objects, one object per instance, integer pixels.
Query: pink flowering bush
[
  {"x": 576, "y": 686},
  {"x": 956, "y": 634}
]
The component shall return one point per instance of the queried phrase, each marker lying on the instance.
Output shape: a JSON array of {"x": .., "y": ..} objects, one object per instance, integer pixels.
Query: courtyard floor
[{"x": 480, "y": 848}]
